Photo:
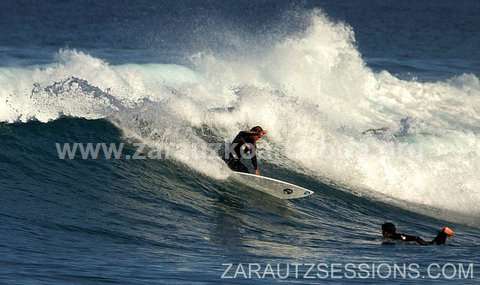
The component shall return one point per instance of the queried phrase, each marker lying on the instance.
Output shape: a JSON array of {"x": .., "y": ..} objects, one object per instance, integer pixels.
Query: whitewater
[
  {"x": 312, "y": 91},
  {"x": 373, "y": 106}
]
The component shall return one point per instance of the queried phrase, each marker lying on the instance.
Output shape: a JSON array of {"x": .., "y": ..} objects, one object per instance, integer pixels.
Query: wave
[{"x": 312, "y": 91}]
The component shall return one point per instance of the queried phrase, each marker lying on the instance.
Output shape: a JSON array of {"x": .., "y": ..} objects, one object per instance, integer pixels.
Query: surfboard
[{"x": 277, "y": 188}]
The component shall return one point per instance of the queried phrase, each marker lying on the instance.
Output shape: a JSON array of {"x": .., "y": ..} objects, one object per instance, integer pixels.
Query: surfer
[
  {"x": 390, "y": 235},
  {"x": 245, "y": 144}
]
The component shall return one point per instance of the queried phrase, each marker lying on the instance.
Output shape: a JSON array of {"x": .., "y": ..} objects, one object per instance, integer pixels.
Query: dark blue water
[
  {"x": 175, "y": 221},
  {"x": 418, "y": 37}
]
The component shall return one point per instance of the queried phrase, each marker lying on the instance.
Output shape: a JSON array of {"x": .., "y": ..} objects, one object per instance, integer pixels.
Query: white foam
[
  {"x": 328, "y": 97},
  {"x": 311, "y": 91}
]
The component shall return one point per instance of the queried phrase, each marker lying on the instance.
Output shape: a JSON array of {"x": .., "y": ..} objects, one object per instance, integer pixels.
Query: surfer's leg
[
  {"x": 237, "y": 165},
  {"x": 242, "y": 168}
]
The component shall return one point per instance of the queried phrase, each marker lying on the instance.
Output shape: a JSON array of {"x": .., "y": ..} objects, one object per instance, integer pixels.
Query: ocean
[{"x": 373, "y": 105}]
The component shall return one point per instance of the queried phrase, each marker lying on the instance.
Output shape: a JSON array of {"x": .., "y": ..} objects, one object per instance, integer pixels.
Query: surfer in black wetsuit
[
  {"x": 390, "y": 235},
  {"x": 244, "y": 146}
]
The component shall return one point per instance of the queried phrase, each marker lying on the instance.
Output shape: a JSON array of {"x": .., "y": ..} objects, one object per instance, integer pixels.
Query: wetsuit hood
[{"x": 388, "y": 229}]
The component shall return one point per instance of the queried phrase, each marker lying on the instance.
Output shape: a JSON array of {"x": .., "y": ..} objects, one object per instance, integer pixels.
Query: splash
[{"x": 312, "y": 91}]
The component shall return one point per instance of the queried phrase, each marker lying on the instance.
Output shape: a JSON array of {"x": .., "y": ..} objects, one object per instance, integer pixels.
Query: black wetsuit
[
  {"x": 242, "y": 139},
  {"x": 441, "y": 238}
]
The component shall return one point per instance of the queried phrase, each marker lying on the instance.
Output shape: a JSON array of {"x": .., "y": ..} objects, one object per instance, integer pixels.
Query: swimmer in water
[{"x": 389, "y": 232}]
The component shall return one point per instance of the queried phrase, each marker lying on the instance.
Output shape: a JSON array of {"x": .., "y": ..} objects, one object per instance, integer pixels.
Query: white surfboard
[{"x": 274, "y": 187}]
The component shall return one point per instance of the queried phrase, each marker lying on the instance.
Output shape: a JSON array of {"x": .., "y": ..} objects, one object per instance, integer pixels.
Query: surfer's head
[
  {"x": 258, "y": 132},
  {"x": 388, "y": 229}
]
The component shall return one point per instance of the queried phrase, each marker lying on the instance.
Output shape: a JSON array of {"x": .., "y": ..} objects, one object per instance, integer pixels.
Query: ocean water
[{"x": 178, "y": 76}]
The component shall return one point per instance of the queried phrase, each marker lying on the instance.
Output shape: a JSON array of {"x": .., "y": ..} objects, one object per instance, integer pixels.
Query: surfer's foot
[{"x": 448, "y": 231}]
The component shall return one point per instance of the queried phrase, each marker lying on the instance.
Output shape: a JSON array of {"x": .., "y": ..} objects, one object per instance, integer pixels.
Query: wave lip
[{"x": 311, "y": 90}]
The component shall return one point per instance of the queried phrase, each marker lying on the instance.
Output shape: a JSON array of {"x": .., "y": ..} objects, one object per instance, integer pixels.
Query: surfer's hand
[{"x": 257, "y": 171}]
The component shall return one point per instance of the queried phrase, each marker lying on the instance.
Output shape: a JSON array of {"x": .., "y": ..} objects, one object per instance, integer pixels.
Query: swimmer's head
[{"x": 388, "y": 229}]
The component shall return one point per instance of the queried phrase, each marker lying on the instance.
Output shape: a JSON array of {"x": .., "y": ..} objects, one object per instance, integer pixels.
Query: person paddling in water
[
  {"x": 244, "y": 145},
  {"x": 390, "y": 235}
]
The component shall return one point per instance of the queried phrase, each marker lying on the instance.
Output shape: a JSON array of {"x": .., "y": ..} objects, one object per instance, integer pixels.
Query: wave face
[
  {"x": 142, "y": 221},
  {"x": 312, "y": 91},
  {"x": 374, "y": 146}
]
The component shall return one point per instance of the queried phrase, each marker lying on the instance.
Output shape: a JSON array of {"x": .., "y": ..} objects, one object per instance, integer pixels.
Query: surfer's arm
[
  {"x": 238, "y": 143},
  {"x": 255, "y": 165}
]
